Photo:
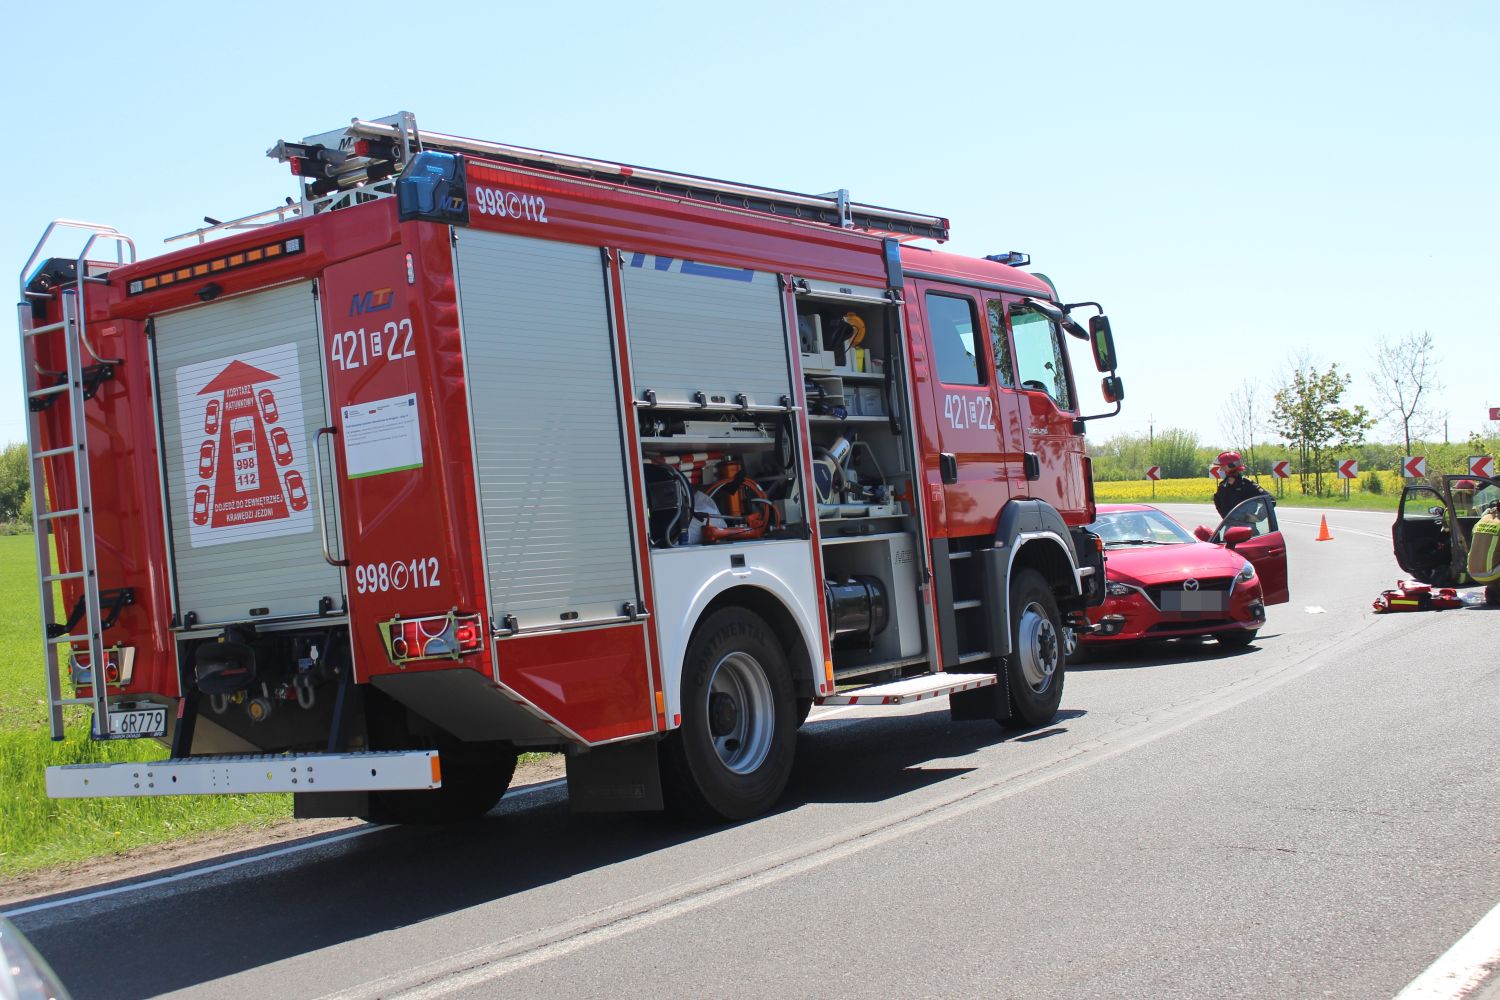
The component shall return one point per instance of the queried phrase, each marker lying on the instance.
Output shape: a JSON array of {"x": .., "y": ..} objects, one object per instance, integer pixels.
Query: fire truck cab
[{"x": 479, "y": 449}]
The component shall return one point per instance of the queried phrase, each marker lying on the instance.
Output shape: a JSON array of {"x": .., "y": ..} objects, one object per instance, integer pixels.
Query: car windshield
[{"x": 1122, "y": 528}]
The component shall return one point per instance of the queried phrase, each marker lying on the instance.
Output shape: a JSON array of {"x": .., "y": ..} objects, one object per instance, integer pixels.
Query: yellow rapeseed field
[{"x": 1201, "y": 490}]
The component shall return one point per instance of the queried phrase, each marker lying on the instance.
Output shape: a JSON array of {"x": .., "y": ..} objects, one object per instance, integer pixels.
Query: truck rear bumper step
[
  {"x": 241, "y": 773},
  {"x": 910, "y": 689}
]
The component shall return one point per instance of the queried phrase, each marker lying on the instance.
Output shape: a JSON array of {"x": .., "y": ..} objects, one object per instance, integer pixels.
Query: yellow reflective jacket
[{"x": 1484, "y": 549}]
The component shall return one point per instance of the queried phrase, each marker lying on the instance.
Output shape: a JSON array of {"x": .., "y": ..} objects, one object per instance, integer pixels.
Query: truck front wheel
[
  {"x": 1038, "y": 656},
  {"x": 732, "y": 756}
]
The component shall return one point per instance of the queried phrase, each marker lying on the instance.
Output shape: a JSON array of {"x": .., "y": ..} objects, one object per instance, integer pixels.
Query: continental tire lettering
[{"x": 511, "y": 205}]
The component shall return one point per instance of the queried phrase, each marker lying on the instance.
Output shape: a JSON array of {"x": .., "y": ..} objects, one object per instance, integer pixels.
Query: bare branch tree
[
  {"x": 1240, "y": 420},
  {"x": 1406, "y": 384}
]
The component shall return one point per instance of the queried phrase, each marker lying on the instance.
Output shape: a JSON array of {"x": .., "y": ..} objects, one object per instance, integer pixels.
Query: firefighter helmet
[{"x": 1230, "y": 461}]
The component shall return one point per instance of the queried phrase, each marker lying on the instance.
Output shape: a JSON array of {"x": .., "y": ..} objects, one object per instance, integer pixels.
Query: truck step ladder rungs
[
  {"x": 71, "y": 393},
  {"x": 910, "y": 689}
]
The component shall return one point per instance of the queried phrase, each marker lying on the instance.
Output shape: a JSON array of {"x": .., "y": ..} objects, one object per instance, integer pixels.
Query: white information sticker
[{"x": 383, "y": 435}]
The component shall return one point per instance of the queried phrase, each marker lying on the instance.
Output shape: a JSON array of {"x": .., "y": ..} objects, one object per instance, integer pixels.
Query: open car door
[
  {"x": 1266, "y": 549},
  {"x": 1433, "y": 532},
  {"x": 1422, "y": 536}
]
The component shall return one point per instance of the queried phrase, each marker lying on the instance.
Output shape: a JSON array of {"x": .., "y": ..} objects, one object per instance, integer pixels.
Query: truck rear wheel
[
  {"x": 472, "y": 785},
  {"x": 732, "y": 756},
  {"x": 1038, "y": 657}
]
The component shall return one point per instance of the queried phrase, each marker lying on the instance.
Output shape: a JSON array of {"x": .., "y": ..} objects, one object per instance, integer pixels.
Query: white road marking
[
  {"x": 476, "y": 969},
  {"x": 1313, "y": 609},
  {"x": 280, "y": 852},
  {"x": 1464, "y": 967}
]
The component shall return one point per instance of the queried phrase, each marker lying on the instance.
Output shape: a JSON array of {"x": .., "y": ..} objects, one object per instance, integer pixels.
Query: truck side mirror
[
  {"x": 1113, "y": 388},
  {"x": 1046, "y": 308},
  {"x": 1103, "y": 342}
]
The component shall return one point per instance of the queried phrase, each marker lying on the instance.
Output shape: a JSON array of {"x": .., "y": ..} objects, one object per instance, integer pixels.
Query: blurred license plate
[
  {"x": 136, "y": 723},
  {"x": 1192, "y": 600}
]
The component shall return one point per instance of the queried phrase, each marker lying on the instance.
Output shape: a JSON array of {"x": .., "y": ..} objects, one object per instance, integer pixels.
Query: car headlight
[
  {"x": 1114, "y": 589},
  {"x": 1246, "y": 573}
]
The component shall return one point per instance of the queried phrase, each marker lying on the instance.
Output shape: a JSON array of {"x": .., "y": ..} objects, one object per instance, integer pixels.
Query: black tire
[
  {"x": 732, "y": 756},
  {"x": 1038, "y": 659},
  {"x": 1492, "y": 594},
  {"x": 1238, "y": 639},
  {"x": 472, "y": 784},
  {"x": 804, "y": 709}
]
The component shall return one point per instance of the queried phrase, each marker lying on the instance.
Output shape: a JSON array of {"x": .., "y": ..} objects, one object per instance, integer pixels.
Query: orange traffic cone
[{"x": 1323, "y": 533}]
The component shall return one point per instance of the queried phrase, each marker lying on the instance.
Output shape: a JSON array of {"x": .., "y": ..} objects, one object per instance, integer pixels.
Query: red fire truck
[{"x": 478, "y": 449}]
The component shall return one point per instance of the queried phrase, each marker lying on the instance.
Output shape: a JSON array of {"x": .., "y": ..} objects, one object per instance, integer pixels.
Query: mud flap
[
  {"x": 991, "y": 702},
  {"x": 622, "y": 778}
]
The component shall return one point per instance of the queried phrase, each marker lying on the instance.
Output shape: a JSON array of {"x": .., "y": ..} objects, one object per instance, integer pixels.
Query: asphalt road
[{"x": 1315, "y": 816}]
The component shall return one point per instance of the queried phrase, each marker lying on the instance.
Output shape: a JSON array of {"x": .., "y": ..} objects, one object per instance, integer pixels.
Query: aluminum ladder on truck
[
  {"x": 365, "y": 152},
  {"x": 72, "y": 388}
]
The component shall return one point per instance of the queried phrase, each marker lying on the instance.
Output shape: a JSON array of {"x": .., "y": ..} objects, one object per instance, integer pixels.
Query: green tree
[
  {"x": 15, "y": 482},
  {"x": 1308, "y": 415},
  {"x": 1176, "y": 451}
]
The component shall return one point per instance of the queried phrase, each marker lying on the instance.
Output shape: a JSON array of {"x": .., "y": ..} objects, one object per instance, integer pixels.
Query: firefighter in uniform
[{"x": 1234, "y": 489}]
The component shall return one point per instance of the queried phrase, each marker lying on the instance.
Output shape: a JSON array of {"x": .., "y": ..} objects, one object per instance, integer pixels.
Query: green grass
[{"x": 38, "y": 832}]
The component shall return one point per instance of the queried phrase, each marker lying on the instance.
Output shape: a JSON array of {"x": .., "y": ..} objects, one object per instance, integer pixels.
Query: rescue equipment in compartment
[
  {"x": 857, "y": 609},
  {"x": 822, "y": 401},
  {"x": 840, "y": 489},
  {"x": 669, "y": 504},
  {"x": 841, "y": 334},
  {"x": 829, "y": 480},
  {"x": 739, "y": 499},
  {"x": 1417, "y": 597}
]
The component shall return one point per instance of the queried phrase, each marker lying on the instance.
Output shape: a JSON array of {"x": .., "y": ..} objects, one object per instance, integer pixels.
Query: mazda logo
[{"x": 1190, "y": 585}]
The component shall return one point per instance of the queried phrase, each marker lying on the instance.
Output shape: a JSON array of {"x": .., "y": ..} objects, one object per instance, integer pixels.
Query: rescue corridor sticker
[{"x": 243, "y": 447}]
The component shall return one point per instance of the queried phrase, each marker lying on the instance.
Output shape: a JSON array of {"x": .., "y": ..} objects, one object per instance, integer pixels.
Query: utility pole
[{"x": 1151, "y": 447}]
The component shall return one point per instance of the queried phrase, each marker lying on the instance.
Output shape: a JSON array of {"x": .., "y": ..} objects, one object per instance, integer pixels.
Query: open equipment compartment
[
  {"x": 862, "y": 481},
  {"x": 719, "y": 441}
]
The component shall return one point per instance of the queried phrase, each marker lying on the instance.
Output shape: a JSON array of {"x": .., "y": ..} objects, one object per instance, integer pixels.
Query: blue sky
[{"x": 1236, "y": 187}]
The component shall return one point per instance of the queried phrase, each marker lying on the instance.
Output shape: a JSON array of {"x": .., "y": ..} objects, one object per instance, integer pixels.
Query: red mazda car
[{"x": 1163, "y": 582}]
